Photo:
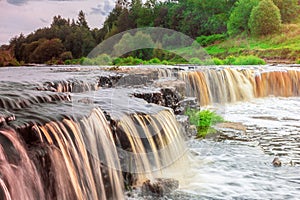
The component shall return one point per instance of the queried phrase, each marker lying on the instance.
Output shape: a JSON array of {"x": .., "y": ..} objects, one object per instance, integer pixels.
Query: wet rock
[
  {"x": 109, "y": 81},
  {"x": 160, "y": 187},
  {"x": 155, "y": 97},
  {"x": 189, "y": 102},
  {"x": 192, "y": 130},
  {"x": 180, "y": 86},
  {"x": 184, "y": 123},
  {"x": 276, "y": 162},
  {"x": 171, "y": 99}
]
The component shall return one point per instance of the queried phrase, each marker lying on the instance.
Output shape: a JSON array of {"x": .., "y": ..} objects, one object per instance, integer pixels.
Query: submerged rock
[
  {"x": 276, "y": 162},
  {"x": 161, "y": 187}
]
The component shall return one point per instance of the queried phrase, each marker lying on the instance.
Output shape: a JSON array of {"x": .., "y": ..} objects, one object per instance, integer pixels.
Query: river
[{"x": 242, "y": 168}]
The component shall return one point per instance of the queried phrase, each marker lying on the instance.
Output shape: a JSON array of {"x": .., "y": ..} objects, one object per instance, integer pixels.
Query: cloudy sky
[{"x": 25, "y": 16}]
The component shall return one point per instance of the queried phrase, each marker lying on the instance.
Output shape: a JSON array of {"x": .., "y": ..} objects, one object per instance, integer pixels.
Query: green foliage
[
  {"x": 244, "y": 60},
  {"x": 265, "y": 18},
  {"x": 127, "y": 61},
  {"x": 208, "y": 40},
  {"x": 203, "y": 120},
  {"x": 102, "y": 59},
  {"x": 195, "y": 61},
  {"x": 218, "y": 61},
  {"x": 67, "y": 55},
  {"x": 135, "y": 42},
  {"x": 239, "y": 17},
  {"x": 154, "y": 61},
  {"x": 48, "y": 50},
  {"x": 289, "y": 9}
]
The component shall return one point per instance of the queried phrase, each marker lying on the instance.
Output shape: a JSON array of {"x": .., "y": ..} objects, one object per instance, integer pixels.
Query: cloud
[
  {"x": 97, "y": 10},
  {"x": 17, "y": 2},
  {"x": 44, "y": 21},
  {"x": 103, "y": 9}
]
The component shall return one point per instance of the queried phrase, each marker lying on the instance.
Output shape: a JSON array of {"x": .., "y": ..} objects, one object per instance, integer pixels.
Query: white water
[{"x": 231, "y": 169}]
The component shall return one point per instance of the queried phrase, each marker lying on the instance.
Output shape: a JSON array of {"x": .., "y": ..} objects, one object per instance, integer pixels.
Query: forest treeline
[{"x": 206, "y": 21}]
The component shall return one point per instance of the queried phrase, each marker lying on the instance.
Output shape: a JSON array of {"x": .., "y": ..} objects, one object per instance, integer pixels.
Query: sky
[{"x": 25, "y": 16}]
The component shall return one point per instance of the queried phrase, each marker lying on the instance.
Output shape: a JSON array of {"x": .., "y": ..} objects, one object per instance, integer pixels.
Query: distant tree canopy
[
  {"x": 48, "y": 43},
  {"x": 191, "y": 17}
]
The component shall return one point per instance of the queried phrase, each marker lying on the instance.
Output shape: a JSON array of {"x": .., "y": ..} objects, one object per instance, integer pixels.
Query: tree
[
  {"x": 81, "y": 21},
  {"x": 265, "y": 18},
  {"x": 47, "y": 50},
  {"x": 131, "y": 45},
  {"x": 239, "y": 17},
  {"x": 289, "y": 9}
]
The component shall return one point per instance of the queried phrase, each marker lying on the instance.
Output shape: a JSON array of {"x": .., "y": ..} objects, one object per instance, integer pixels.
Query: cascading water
[
  {"x": 62, "y": 146},
  {"x": 232, "y": 85},
  {"x": 93, "y": 144}
]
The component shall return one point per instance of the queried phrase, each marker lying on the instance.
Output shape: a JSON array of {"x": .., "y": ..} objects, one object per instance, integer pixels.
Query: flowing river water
[
  {"x": 241, "y": 167},
  {"x": 80, "y": 133}
]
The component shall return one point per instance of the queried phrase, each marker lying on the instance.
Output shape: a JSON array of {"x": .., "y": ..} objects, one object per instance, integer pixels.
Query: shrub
[
  {"x": 67, "y": 55},
  {"x": 229, "y": 60},
  {"x": 154, "y": 61},
  {"x": 204, "y": 40},
  {"x": 289, "y": 9},
  {"x": 195, "y": 61},
  {"x": 239, "y": 17},
  {"x": 248, "y": 60},
  {"x": 218, "y": 61},
  {"x": 244, "y": 60},
  {"x": 127, "y": 61},
  {"x": 102, "y": 59},
  {"x": 265, "y": 18},
  {"x": 203, "y": 120}
]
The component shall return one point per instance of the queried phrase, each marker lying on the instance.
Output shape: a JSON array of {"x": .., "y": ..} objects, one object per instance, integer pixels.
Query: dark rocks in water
[
  {"x": 161, "y": 187},
  {"x": 276, "y": 162},
  {"x": 189, "y": 102},
  {"x": 167, "y": 97},
  {"x": 109, "y": 81},
  {"x": 155, "y": 97},
  {"x": 171, "y": 99},
  {"x": 178, "y": 85}
]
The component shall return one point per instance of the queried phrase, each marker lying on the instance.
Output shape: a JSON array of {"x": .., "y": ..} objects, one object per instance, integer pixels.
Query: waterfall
[
  {"x": 230, "y": 85},
  {"x": 55, "y": 144}
]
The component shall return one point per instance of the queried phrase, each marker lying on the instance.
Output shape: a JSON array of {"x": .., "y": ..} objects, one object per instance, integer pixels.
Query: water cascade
[
  {"x": 230, "y": 85},
  {"x": 62, "y": 142},
  {"x": 63, "y": 147}
]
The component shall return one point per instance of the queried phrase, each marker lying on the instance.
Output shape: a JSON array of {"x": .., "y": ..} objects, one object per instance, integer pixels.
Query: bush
[
  {"x": 265, "y": 18},
  {"x": 239, "y": 17},
  {"x": 244, "y": 60},
  {"x": 102, "y": 59},
  {"x": 67, "y": 55},
  {"x": 229, "y": 60},
  {"x": 204, "y": 40},
  {"x": 218, "y": 61},
  {"x": 248, "y": 60},
  {"x": 127, "y": 61},
  {"x": 289, "y": 9},
  {"x": 203, "y": 120},
  {"x": 154, "y": 61},
  {"x": 195, "y": 61}
]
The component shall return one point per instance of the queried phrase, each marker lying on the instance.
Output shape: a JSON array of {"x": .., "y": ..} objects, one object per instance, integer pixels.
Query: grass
[
  {"x": 203, "y": 120},
  {"x": 283, "y": 45}
]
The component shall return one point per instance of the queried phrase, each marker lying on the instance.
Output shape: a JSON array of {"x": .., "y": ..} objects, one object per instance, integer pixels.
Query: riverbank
[{"x": 282, "y": 47}]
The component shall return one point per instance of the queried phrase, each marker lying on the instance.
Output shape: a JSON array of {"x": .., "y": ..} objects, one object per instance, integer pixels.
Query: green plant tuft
[{"x": 203, "y": 120}]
